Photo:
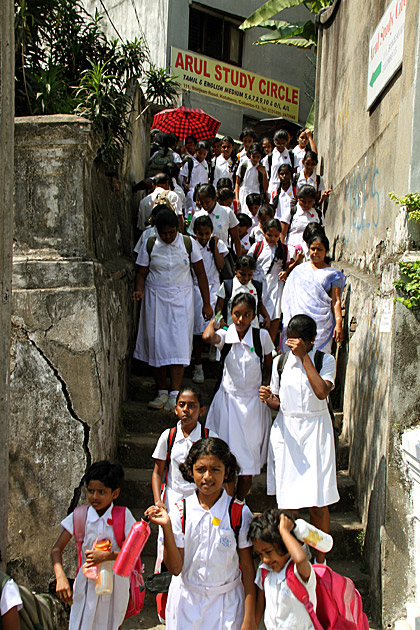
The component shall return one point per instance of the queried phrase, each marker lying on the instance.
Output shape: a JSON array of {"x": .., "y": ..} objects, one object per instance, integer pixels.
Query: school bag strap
[
  {"x": 292, "y": 159},
  {"x": 170, "y": 443},
  {"x": 256, "y": 342},
  {"x": 270, "y": 163},
  {"x": 300, "y": 591},
  {"x": 79, "y": 526},
  {"x": 187, "y": 243},
  {"x": 190, "y": 164},
  {"x": 118, "y": 523},
  {"x": 228, "y": 285},
  {"x": 235, "y": 516},
  {"x": 258, "y": 249}
]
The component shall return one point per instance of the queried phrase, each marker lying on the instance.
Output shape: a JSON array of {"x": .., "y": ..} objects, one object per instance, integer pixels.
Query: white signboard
[{"x": 386, "y": 49}]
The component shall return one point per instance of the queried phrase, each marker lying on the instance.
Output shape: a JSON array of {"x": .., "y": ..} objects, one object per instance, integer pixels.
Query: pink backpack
[
  {"x": 136, "y": 599},
  {"x": 339, "y": 605}
]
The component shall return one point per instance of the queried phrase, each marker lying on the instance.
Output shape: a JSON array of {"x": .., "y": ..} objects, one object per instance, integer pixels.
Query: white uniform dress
[
  {"x": 208, "y": 593},
  {"x": 272, "y": 285},
  {"x": 176, "y": 487},
  {"x": 284, "y": 199},
  {"x": 250, "y": 182},
  {"x": 301, "y": 455},
  {"x": 213, "y": 278},
  {"x": 223, "y": 168},
  {"x": 199, "y": 175},
  {"x": 90, "y": 611},
  {"x": 277, "y": 160},
  {"x": 223, "y": 220},
  {"x": 300, "y": 220},
  {"x": 167, "y": 311},
  {"x": 300, "y": 155},
  {"x": 236, "y": 414},
  {"x": 282, "y": 609},
  {"x": 237, "y": 287},
  {"x": 310, "y": 181}
]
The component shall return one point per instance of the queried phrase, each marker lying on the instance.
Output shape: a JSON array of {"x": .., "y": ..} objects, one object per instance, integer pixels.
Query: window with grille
[{"x": 215, "y": 34}]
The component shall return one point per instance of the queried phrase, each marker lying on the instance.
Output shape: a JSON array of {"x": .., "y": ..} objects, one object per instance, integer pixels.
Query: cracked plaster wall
[{"x": 72, "y": 327}]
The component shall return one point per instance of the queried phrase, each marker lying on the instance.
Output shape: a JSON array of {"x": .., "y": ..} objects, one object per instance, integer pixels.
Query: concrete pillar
[{"x": 6, "y": 233}]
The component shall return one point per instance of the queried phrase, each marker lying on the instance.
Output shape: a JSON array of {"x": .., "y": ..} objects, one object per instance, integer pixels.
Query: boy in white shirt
[{"x": 162, "y": 184}]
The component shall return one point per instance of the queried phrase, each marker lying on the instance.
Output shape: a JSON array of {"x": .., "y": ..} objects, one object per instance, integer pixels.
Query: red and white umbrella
[{"x": 184, "y": 121}]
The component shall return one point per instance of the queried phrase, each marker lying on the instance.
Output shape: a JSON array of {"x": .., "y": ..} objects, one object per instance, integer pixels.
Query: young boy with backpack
[
  {"x": 99, "y": 522},
  {"x": 195, "y": 171}
]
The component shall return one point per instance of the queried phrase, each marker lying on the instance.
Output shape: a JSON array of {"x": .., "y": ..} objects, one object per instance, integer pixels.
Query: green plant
[
  {"x": 64, "y": 64},
  {"x": 409, "y": 283},
  {"x": 360, "y": 539},
  {"x": 411, "y": 202},
  {"x": 301, "y": 34}
]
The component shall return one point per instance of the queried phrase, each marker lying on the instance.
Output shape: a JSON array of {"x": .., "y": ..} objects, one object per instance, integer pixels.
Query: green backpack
[{"x": 35, "y": 613}]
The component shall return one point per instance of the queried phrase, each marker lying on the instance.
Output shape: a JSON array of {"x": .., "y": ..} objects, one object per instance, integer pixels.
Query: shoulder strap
[
  {"x": 261, "y": 183},
  {"x": 235, "y": 516},
  {"x": 295, "y": 191},
  {"x": 183, "y": 513},
  {"x": 295, "y": 179},
  {"x": 228, "y": 284},
  {"x": 318, "y": 181},
  {"x": 264, "y": 573},
  {"x": 223, "y": 354},
  {"x": 79, "y": 525},
  {"x": 318, "y": 360},
  {"x": 212, "y": 245},
  {"x": 270, "y": 162},
  {"x": 187, "y": 243},
  {"x": 259, "y": 288},
  {"x": 258, "y": 249},
  {"x": 204, "y": 432},
  {"x": 256, "y": 340},
  {"x": 242, "y": 172},
  {"x": 293, "y": 208},
  {"x": 118, "y": 524},
  {"x": 171, "y": 440},
  {"x": 150, "y": 243},
  {"x": 301, "y": 593},
  {"x": 190, "y": 163},
  {"x": 292, "y": 159},
  {"x": 281, "y": 363}
]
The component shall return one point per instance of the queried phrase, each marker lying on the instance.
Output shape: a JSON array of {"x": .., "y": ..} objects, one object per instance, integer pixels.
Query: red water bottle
[{"x": 132, "y": 548}]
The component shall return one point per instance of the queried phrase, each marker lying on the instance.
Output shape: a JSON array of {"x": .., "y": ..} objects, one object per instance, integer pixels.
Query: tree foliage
[
  {"x": 298, "y": 34},
  {"x": 65, "y": 64}
]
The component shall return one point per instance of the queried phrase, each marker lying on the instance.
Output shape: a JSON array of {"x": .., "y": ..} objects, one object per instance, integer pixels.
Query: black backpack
[
  {"x": 270, "y": 162},
  {"x": 256, "y": 341},
  {"x": 228, "y": 270}
]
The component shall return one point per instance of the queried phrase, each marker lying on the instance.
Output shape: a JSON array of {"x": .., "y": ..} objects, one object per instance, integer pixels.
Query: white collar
[
  {"x": 93, "y": 516},
  {"x": 195, "y": 434},
  {"x": 217, "y": 511},
  {"x": 233, "y": 337}
]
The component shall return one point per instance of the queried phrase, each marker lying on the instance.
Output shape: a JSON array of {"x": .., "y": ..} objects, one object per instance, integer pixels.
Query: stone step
[
  {"x": 136, "y": 449},
  {"x": 346, "y": 530},
  {"x": 342, "y": 454},
  {"x": 143, "y": 388},
  {"x": 138, "y": 418}
]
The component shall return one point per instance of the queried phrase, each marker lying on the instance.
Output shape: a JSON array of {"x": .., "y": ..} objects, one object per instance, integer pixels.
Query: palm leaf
[
  {"x": 274, "y": 25},
  {"x": 310, "y": 121},
  {"x": 289, "y": 31},
  {"x": 267, "y": 11},
  {"x": 298, "y": 42}
]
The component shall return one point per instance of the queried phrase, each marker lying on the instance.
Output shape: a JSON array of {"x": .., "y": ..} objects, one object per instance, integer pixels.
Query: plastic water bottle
[
  {"x": 189, "y": 218},
  {"x": 92, "y": 572},
  {"x": 312, "y": 536},
  {"x": 217, "y": 320},
  {"x": 132, "y": 548},
  {"x": 105, "y": 579}
]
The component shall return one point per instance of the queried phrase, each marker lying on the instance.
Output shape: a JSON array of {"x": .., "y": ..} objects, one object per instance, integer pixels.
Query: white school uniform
[
  {"x": 250, "y": 182},
  {"x": 148, "y": 232},
  {"x": 223, "y": 220},
  {"x": 310, "y": 181},
  {"x": 90, "y": 611},
  {"x": 299, "y": 223},
  {"x": 300, "y": 156},
  {"x": 236, "y": 414},
  {"x": 253, "y": 217},
  {"x": 277, "y": 161},
  {"x": 213, "y": 278},
  {"x": 237, "y": 287},
  {"x": 223, "y": 168},
  {"x": 146, "y": 206},
  {"x": 282, "y": 609},
  {"x": 284, "y": 199},
  {"x": 245, "y": 242},
  {"x": 272, "y": 285},
  {"x": 256, "y": 233},
  {"x": 10, "y": 597},
  {"x": 208, "y": 592},
  {"x": 167, "y": 311},
  {"x": 199, "y": 175},
  {"x": 176, "y": 487},
  {"x": 301, "y": 455}
]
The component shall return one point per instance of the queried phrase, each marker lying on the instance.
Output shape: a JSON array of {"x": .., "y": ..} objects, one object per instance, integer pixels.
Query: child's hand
[
  {"x": 325, "y": 194},
  {"x": 63, "y": 590},
  {"x": 261, "y": 168},
  {"x": 265, "y": 393},
  {"x": 338, "y": 331},
  {"x": 207, "y": 312},
  {"x": 286, "y": 524},
  {"x": 95, "y": 556},
  {"x": 160, "y": 504},
  {"x": 158, "y": 515},
  {"x": 187, "y": 187},
  {"x": 283, "y": 276},
  {"x": 266, "y": 322},
  {"x": 297, "y": 346},
  {"x": 137, "y": 295}
]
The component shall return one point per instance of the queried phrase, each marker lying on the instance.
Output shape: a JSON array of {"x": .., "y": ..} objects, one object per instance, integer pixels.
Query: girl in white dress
[
  {"x": 272, "y": 259},
  {"x": 277, "y": 548},
  {"x": 301, "y": 454},
  {"x": 251, "y": 176},
  {"x": 236, "y": 414},
  {"x": 164, "y": 283},
  {"x": 203, "y": 551},
  {"x": 89, "y": 610}
]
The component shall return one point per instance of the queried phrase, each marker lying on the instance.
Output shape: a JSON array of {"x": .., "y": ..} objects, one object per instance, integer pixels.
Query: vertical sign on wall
[{"x": 386, "y": 50}]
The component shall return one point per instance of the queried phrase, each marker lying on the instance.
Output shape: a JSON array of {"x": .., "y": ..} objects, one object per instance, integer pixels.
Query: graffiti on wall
[{"x": 362, "y": 197}]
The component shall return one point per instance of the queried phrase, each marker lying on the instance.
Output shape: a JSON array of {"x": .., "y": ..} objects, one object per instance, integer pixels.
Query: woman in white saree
[{"x": 314, "y": 288}]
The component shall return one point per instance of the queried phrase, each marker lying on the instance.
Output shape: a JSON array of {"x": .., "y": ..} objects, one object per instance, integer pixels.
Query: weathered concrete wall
[
  {"x": 72, "y": 325},
  {"x": 6, "y": 236},
  {"x": 364, "y": 155}
]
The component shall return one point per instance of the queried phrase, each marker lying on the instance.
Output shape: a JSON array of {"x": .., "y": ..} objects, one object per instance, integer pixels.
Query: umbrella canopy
[{"x": 184, "y": 121}]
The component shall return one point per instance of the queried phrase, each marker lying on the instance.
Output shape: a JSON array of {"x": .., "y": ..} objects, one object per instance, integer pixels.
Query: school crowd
[{"x": 232, "y": 254}]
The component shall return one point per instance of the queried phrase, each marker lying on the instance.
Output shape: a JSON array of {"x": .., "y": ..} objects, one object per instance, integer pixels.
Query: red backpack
[
  {"x": 339, "y": 605},
  {"x": 136, "y": 599}
]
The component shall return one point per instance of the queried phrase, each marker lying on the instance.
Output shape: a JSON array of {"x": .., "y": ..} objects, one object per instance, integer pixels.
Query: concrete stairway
[{"x": 140, "y": 429}]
